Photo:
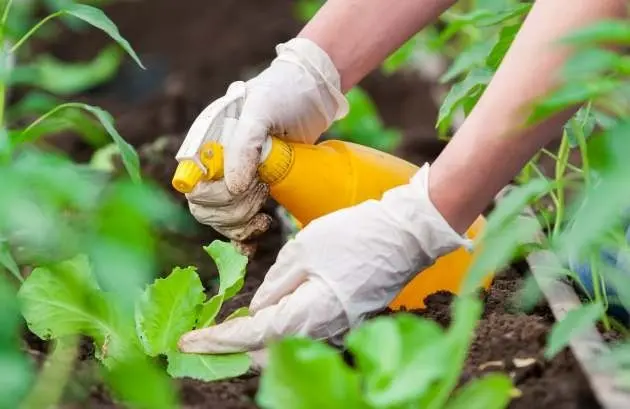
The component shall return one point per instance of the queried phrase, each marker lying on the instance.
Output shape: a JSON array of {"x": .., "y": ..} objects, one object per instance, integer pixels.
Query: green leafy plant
[
  {"x": 581, "y": 207},
  {"x": 65, "y": 299},
  {"x": 399, "y": 362},
  {"x": 363, "y": 125},
  {"x": 177, "y": 304},
  {"x": 86, "y": 237}
]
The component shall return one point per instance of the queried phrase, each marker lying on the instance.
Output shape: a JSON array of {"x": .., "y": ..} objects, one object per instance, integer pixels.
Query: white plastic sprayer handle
[{"x": 203, "y": 129}]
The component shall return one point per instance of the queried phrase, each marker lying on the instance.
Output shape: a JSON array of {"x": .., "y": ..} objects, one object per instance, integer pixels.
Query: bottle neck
[{"x": 276, "y": 160}]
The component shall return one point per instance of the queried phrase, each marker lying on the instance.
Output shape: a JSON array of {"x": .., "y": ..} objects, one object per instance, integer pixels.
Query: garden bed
[
  {"x": 190, "y": 63},
  {"x": 506, "y": 340}
]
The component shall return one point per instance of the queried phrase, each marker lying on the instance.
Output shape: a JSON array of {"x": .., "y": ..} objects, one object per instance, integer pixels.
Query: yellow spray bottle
[{"x": 313, "y": 180}]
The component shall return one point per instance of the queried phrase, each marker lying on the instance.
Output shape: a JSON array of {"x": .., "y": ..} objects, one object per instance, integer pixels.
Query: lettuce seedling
[
  {"x": 176, "y": 304},
  {"x": 401, "y": 361},
  {"x": 65, "y": 299}
]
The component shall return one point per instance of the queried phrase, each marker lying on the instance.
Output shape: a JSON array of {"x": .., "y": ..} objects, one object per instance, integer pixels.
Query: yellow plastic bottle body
[{"x": 335, "y": 174}]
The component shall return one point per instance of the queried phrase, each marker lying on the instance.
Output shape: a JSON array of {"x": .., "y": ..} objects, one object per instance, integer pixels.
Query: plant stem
[
  {"x": 581, "y": 140},
  {"x": 619, "y": 327},
  {"x": 2, "y": 98},
  {"x": 561, "y": 165},
  {"x": 34, "y": 29},
  {"x": 541, "y": 175},
  {"x": 44, "y": 117},
  {"x": 596, "y": 282},
  {"x": 52, "y": 380},
  {"x": 5, "y": 14},
  {"x": 555, "y": 157},
  {"x": 467, "y": 312}
]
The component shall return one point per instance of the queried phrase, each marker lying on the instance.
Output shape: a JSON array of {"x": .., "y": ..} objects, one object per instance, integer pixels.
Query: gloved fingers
[
  {"x": 242, "y": 156},
  {"x": 211, "y": 193},
  {"x": 259, "y": 359},
  {"x": 246, "y": 248},
  {"x": 282, "y": 278},
  {"x": 256, "y": 226},
  {"x": 234, "y": 212},
  {"x": 247, "y": 230},
  {"x": 312, "y": 310}
]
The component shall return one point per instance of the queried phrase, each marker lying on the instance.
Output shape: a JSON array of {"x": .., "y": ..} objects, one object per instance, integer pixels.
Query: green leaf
[
  {"x": 399, "y": 357},
  {"x": 98, "y": 19},
  {"x": 17, "y": 366},
  {"x": 481, "y": 18},
  {"x": 590, "y": 63},
  {"x": 475, "y": 80},
  {"x": 503, "y": 44},
  {"x": 497, "y": 250},
  {"x": 237, "y": 313},
  {"x": 363, "y": 124},
  {"x": 495, "y": 18},
  {"x": 64, "y": 299},
  {"x": 60, "y": 300},
  {"x": 49, "y": 119},
  {"x": 514, "y": 203},
  {"x": 466, "y": 314},
  {"x": 400, "y": 57},
  {"x": 306, "y": 9},
  {"x": 16, "y": 376},
  {"x": 127, "y": 152},
  {"x": 70, "y": 119},
  {"x": 209, "y": 311},
  {"x": 207, "y": 368},
  {"x": 167, "y": 309},
  {"x": 65, "y": 78},
  {"x": 157, "y": 391},
  {"x": 34, "y": 103},
  {"x": 103, "y": 158},
  {"x": 8, "y": 262},
  {"x": 574, "y": 322},
  {"x": 581, "y": 125},
  {"x": 490, "y": 392},
  {"x": 570, "y": 95},
  {"x": 609, "y": 31},
  {"x": 472, "y": 57},
  {"x": 598, "y": 207},
  {"x": 231, "y": 265},
  {"x": 306, "y": 374}
]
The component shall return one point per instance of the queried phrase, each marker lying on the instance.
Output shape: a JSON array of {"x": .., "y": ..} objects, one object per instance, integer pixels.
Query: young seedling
[
  {"x": 176, "y": 304},
  {"x": 400, "y": 362},
  {"x": 65, "y": 300}
]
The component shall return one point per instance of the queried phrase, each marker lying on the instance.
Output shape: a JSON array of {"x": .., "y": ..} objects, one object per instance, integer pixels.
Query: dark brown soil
[
  {"x": 193, "y": 49},
  {"x": 513, "y": 342}
]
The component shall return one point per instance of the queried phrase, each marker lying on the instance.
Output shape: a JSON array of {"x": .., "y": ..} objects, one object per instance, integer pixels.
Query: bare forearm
[
  {"x": 493, "y": 145},
  {"x": 359, "y": 34}
]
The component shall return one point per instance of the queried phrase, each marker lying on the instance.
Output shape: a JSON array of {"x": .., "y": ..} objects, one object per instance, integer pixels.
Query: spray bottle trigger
[{"x": 211, "y": 156}]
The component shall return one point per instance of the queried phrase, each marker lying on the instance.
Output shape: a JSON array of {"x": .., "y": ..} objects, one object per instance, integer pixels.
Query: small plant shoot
[{"x": 66, "y": 299}]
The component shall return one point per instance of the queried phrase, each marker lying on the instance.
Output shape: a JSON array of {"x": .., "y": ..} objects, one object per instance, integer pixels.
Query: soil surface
[
  {"x": 513, "y": 342},
  {"x": 193, "y": 49}
]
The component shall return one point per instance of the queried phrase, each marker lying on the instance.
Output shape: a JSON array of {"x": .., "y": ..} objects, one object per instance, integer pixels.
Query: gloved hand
[
  {"x": 338, "y": 270},
  {"x": 296, "y": 98}
]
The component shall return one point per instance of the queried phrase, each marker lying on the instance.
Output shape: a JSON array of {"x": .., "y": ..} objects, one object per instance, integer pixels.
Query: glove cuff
[
  {"x": 412, "y": 206},
  {"x": 319, "y": 64}
]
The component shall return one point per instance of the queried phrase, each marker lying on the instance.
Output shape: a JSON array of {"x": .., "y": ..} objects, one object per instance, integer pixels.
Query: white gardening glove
[
  {"x": 338, "y": 270},
  {"x": 296, "y": 98}
]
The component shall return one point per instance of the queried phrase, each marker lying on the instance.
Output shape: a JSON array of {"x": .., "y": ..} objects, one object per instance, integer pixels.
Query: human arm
[
  {"x": 351, "y": 263},
  {"x": 494, "y": 143},
  {"x": 299, "y": 96},
  {"x": 359, "y": 34}
]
